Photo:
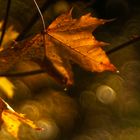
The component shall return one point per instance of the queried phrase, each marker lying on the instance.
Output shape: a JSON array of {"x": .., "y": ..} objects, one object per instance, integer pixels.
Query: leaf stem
[
  {"x": 33, "y": 20},
  {"x": 43, "y": 23},
  {"x": 20, "y": 74},
  {"x": 42, "y": 18}
]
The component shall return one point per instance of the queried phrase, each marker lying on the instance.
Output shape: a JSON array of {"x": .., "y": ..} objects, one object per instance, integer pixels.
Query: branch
[
  {"x": 5, "y": 21},
  {"x": 28, "y": 73},
  {"x": 124, "y": 45},
  {"x": 20, "y": 74}
]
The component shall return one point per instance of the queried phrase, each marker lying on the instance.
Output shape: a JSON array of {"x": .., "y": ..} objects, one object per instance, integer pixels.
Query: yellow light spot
[{"x": 7, "y": 87}]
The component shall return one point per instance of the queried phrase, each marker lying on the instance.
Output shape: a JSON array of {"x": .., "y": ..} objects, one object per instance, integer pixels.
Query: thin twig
[
  {"x": 20, "y": 74},
  {"x": 124, "y": 45},
  {"x": 5, "y": 20},
  {"x": 34, "y": 19},
  {"x": 117, "y": 48}
]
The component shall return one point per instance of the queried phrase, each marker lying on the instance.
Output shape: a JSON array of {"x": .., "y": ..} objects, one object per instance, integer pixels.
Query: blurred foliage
[
  {"x": 81, "y": 112},
  {"x": 10, "y": 35},
  {"x": 7, "y": 87}
]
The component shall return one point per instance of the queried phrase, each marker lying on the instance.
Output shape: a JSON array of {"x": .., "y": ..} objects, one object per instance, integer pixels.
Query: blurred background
[{"x": 99, "y": 106}]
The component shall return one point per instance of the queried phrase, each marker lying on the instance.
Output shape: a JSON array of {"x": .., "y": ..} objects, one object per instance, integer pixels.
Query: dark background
[{"x": 99, "y": 106}]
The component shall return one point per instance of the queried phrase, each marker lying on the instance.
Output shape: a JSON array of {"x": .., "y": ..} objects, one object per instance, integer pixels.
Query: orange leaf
[
  {"x": 72, "y": 40},
  {"x": 67, "y": 40}
]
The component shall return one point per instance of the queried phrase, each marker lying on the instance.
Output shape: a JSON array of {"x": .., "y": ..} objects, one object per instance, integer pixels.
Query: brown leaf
[
  {"x": 24, "y": 50},
  {"x": 72, "y": 40},
  {"x": 67, "y": 39}
]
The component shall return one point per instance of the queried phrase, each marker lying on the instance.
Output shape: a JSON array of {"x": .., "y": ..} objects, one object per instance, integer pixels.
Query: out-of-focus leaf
[
  {"x": 9, "y": 36},
  {"x": 12, "y": 120},
  {"x": 7, "y": 87}
]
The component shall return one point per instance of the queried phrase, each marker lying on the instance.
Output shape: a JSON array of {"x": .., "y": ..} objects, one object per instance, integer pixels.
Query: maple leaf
[
  {"x": 72, "y": 40},
  {"x": 67, "y": 40},
  {"x": 12, "y": 120}
]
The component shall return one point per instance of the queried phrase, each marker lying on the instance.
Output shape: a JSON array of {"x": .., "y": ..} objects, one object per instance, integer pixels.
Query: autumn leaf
[
  {"x": 28, "y": 49},
  {"x": 66, "y": 40},
  {"x": 12, "y": 120},
  {"x": 71, "y": 39}
]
